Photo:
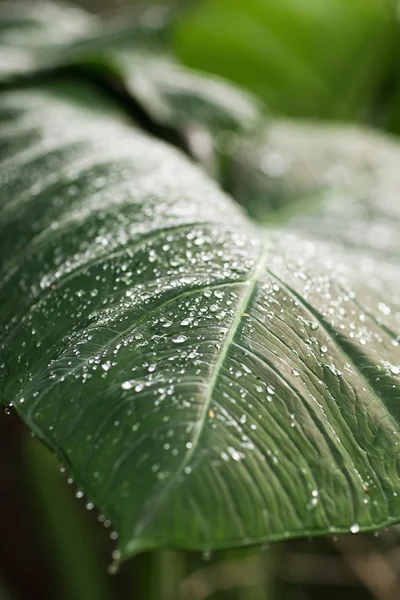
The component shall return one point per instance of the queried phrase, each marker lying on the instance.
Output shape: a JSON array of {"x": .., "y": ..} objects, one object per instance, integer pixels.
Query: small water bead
[
  {"x": 179, "y": 339},
  {"x": 234, "y": 454},
  {"x": 334, "y": 370},
  {"x": 116, "y": 555},
  {"x": 113, "y": 569},
  {"x": 355, "y": 528},
  {"x": 384, "y": 308},
  {"x": 296, "y": 372},
  {"x": 79, "y": 494},
  {"x": 127, "y": 385}
]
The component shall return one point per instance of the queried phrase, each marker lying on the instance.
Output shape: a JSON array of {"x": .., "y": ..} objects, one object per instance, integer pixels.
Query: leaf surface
[
  {"x": 28, "y": 30},
  {"x": 208, "y": 384},
  {"x": 316, "y": 178}
]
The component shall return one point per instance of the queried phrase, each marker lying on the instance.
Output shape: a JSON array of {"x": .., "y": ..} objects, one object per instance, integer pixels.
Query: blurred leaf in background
[{"x": 304, "y": 58}]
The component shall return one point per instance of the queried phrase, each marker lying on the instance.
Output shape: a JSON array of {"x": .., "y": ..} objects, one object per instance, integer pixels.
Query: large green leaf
[{"x": 208, "y": 384}]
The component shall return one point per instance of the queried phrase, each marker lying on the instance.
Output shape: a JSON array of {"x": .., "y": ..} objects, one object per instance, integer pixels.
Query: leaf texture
[{"x": 208, "y": 384}]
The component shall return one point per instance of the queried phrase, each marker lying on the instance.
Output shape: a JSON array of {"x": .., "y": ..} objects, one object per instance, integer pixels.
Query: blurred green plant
[{"x": 317, "y": 59}]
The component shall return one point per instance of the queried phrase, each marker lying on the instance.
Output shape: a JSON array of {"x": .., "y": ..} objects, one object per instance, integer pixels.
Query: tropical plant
[{"x": 213, "y": 374}]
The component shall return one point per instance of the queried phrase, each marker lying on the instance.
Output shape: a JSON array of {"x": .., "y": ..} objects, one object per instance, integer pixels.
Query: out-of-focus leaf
[
  {"x": 304, "y": 58},
  {"x": 208, "y": 115},
  {"x": 28, "y": 29},
  {"x": 317, "y": 177},
  {"x": 207, "y": 383},
  {"x": 130, "y": 56}
]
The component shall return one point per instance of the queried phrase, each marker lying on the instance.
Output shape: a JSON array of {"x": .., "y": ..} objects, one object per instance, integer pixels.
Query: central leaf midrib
[{"x": 233, "y": 329}]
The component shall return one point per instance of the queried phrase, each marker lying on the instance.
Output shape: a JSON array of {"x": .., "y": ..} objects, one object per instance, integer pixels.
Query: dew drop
[
  {"x": 384, "y": 308},
  {"x": 179, "y": 339}
]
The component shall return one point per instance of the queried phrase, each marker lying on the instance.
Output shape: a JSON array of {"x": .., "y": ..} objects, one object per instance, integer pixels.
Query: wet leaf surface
[{"x": 207, "y": 383}]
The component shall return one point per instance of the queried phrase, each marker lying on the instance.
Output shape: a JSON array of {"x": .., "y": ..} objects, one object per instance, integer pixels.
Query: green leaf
[
  {"x": 207, "y": 383},
  {"x": 204, "y": 115},
  {"x": 27, "y": 30},
  {"x": 310, "y": 175},
  {"x": 320, "y": 59},
  {"x": 129, "y": 56}
]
